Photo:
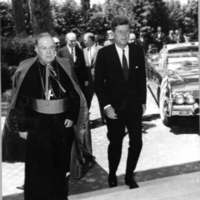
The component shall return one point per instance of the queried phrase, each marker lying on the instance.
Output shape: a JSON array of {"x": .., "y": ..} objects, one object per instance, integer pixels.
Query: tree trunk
[
  {"x": 41, "y": 16},
  {"x": 85, "y": 4},
  {"x": 18, "y": 12}
]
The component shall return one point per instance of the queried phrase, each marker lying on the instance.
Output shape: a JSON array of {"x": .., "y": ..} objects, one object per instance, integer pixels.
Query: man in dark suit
[
  {"x": 90, "y": 53},
  {"x": 120, "y": 84},
  {"x": 73, "y": 51}
]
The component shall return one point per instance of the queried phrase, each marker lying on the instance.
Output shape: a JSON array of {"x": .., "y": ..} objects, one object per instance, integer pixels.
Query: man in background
[
  {"x": 75, "y": 53},
  {"x": 110, "y": 38},
  {"x": 90, "y": 53}
]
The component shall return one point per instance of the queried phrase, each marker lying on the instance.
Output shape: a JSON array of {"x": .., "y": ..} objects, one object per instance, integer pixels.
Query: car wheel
[{"x": 164, "y": 110}]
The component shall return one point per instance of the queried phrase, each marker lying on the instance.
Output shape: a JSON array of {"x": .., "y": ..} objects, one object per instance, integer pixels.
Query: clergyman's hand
[
  {"x": 23, "y": 134},
  {"x": 68, "y": 123},
  {"x": 110, "y": 112}
]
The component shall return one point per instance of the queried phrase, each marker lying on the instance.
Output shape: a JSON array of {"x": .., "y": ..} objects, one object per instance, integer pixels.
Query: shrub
[{"x": 16, "y": 49}]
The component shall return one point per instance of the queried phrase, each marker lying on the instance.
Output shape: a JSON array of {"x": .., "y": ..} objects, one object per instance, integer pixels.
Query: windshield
[{"x": 179, "y": 61}]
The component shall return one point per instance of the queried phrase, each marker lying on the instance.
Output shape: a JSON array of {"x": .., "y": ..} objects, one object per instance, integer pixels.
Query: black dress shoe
[
  {"x": 130, "y": 181},
  {"x": 112, "y": 180}
]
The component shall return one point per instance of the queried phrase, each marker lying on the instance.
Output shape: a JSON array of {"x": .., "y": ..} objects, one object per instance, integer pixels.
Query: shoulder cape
[{"x": 13, "y": 146}]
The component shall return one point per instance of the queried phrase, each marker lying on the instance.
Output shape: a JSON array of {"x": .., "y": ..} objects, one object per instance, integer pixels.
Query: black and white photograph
[{"x": 100, "y": 99}]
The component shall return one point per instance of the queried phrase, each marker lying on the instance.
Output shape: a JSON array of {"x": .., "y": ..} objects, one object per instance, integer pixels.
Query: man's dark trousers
[{"x": 116, "y": 133}]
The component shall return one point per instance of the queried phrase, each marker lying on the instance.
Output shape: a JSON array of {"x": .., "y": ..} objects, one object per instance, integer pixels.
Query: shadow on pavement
[
  {"x": 96, "y": 178},
  {"x": 151, "y": 117},
  {"x": 14, "y": 197},
  {"x": 185, "y": 125},
  {"x": 147, "y": 126}
]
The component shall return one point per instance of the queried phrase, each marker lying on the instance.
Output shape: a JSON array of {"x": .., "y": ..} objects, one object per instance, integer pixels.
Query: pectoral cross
[{"x": 50, "y": 94}]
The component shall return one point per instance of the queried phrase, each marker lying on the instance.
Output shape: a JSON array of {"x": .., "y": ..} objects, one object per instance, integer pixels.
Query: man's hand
[
  {"x": 86, "y": 83},
  {"x": 68, "y": 123},
  {"x": 143, "y": 108},
  {"x": 110, "y": 112},
  {"x": 23, "y": 134}
]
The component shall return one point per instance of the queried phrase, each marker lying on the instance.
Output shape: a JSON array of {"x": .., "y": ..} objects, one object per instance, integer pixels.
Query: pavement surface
[
  {"x": 179, "y": 187},
  {"x": 166, "y": 152}
]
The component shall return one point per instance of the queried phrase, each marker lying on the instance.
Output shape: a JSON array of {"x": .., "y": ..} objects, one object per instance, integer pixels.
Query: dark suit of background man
[
  {"x": 120, "y": 84},
  {"x": 90, "y": 53},
  {"x": 73, "y": 51}
]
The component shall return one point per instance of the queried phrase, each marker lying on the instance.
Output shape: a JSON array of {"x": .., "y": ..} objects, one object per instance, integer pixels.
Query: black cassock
[{"x": 49, "y": 142}]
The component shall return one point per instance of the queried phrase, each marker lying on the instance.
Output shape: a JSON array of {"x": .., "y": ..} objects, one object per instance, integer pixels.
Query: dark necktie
[{"x": 125, "y": 65}]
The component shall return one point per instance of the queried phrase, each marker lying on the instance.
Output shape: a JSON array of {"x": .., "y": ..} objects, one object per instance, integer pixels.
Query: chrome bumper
[{"x": 185, "y": 110}]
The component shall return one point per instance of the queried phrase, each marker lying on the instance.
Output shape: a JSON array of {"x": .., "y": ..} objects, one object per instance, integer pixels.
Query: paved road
[{"x": 162, "y": 147}]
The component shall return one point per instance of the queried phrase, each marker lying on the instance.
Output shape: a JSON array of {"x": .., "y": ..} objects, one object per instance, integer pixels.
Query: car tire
[{"x": 164, "y": 110}]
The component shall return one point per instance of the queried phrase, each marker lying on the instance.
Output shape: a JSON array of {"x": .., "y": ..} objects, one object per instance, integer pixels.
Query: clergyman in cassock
[{"x": 49, "y": 111}]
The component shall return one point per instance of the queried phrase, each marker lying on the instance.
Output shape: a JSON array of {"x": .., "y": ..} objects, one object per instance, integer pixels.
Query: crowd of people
[{"x": 52, "y": 95}]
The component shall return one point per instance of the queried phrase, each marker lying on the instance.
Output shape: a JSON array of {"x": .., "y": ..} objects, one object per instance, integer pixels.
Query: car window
[{"x": 177, "y": 63}]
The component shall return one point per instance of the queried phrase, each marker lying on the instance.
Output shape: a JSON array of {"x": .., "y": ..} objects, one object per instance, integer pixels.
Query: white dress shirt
[{"x": 120, "y": 53}]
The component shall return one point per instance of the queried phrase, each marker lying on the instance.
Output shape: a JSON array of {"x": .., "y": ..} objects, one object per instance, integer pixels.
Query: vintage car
[{"x": 173, "y": 80}]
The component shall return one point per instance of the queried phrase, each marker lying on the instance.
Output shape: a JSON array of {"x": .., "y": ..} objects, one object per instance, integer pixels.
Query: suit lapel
[
  {"x": 67, "y": 51},
  {"x": 131, "y": 57}
]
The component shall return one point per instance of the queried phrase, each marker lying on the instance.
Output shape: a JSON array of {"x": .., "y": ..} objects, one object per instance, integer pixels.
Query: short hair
[
  {"x": 90, "y": 35},
  {"x": 41, "y": 35},
  {"x": 119, "y": 20}
]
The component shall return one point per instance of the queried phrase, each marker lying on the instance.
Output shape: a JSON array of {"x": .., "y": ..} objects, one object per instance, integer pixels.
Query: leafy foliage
[
  {"x": 66, "y": 17},
  {"x": 7, "y": 21},
  {"x": 41, "y": 16},
  {"x": 190, "y": 20},
  {"x": 143, "y": 15},
  {"x": 16, "y": 49}
]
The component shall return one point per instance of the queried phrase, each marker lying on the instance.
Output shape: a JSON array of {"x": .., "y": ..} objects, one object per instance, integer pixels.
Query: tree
[
  {"x": 97, "y": 24},
  {"x": 176, "y": 15},
  {"x": 67, "y": 17},
  {"x": 190, "y": 20},
  {"x": 7, "y": 20},
  {"x": 141, "y": 13},
  {"x": 85, "y": 5},
  {"x": 158, "y": 15},
  {"x": 19, "y": 15},
  {"x": 41, "y": 16}
]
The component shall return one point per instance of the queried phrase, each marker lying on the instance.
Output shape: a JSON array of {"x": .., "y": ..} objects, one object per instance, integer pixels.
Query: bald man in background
[{"x": 73, "y": 51}]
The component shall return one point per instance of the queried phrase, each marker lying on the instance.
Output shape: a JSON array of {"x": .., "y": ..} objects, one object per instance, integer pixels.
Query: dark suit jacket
[
  {"x": 79, "y": 65},
  {"x": 110, "y": 84}
]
